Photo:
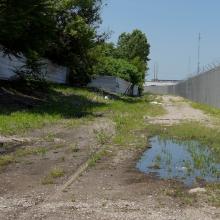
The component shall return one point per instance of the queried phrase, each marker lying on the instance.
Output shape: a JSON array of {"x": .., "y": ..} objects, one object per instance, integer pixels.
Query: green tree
[
  {"x": 133, "y": 45},
  {"x": 117, "y": 67},
  {"x": 77, "y": 22},
  {"x": 135, "y": 48},
  {"x": 26, "y": 25}
]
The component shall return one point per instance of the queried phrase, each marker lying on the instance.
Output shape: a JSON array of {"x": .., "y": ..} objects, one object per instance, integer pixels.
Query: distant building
[{"x": 161, "y": 82}]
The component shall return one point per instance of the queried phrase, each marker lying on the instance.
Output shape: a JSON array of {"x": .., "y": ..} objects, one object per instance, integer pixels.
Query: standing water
[{"x": 187, "y": 161}]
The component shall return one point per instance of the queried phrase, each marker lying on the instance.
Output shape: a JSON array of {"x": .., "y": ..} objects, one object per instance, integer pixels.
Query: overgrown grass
[
  {"x": 206, "y": 108},
  {"x": 189, "y": 131},
  {"x": 78, "y": 106},
  {"x": 130, "y": 118},
  {"x": 62, "y": 102}
]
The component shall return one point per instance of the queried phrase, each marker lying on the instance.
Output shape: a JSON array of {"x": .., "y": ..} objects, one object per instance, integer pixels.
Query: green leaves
[
  {"x": 116, "y": 67},
  {"x": 133, "y": 45},
  {"x": 127, "y": 60},
  {"x": 26, "y": 25}
]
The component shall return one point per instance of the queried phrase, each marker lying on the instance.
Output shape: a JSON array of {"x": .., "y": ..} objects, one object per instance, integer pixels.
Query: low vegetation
[
  {"x": 76, "y": 106},
  {"x": 96, "y": 157},
  {"x": 206, "y": 136},
  {"x": 189, "y": 131},
  {"x": 206, "y": 108},
  {"x": 18, "y": 154},
  {"x": 54, "y": 174}
]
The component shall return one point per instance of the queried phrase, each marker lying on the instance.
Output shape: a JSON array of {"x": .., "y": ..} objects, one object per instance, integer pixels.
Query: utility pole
[
  {"x": 189, "y": 65},
  {"x": 157, "y": 71},
  {"x": 199, "y": 47},
  {"x": 154, "y": 72}
]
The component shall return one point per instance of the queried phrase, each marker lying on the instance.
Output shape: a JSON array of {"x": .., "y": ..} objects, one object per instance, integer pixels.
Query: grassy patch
[
  {"x": 20, "y": 153},
  {"x": 207, "y": 136},
  {"x": 79, "y": 106},
  {"x": 213, "y": 193},
  {"x": 182, "y": 195},
  {"x": 74, "y": 148},
  {"x": 206, "y": 108},
  {"x": 102, "y": 136},
  {"x": 189, "y": 131},
  {"x": 130, "y": 118},
  {"x": 6, "y": 160},
  {"x": 61, "y": 102},
  {"x": 54, "y": 174},
  {"x": 96, "y": 157},
  {"x": 31, "y": 151}
]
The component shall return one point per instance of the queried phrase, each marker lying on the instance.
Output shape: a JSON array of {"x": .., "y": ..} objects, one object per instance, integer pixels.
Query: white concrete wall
[
  {"x": 111, "y": 84},
  {"x": 8, "y": 65},
  {"x": 55, "y": 73},
  {"x": 123, "y": 87},
  {"x": 106, "y": 83}
]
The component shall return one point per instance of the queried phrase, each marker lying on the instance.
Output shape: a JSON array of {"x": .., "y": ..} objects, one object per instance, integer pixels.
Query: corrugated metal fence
[{"x": 203, "y": 88}]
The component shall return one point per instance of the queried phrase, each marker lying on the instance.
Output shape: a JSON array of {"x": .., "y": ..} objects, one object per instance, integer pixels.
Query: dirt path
[
  {"x": 27, "y": 182},
  {"x": 179, "y": 110},
  {"x": 113, "y": 188}
]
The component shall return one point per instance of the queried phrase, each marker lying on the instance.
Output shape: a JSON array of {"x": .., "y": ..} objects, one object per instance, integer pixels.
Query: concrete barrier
[
  {"x": 113, "y": 84},
  {"x": 53, "y": 72},
  {"x": 203, "y": 88}
]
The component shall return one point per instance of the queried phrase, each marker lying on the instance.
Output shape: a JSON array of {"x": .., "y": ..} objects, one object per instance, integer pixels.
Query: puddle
[{"x": 187, "y": 161}]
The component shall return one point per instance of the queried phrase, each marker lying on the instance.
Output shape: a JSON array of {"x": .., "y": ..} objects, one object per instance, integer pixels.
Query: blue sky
[{"x": 172, "y": 28}]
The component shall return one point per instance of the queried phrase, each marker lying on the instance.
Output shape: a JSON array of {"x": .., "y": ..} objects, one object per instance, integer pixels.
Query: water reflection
[{"x": 187, "y": 161}]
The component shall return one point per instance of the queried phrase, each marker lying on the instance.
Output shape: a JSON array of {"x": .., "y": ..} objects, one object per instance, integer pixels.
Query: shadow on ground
[{"x": 49, "y": 101}]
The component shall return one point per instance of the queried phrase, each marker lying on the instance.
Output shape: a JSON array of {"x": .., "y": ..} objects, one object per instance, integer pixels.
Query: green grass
[
  {"x": 73, "y": 107},
  {"x": 213, "y": 193},
  {"x": 189, "y": 131},
  {"x": 102, "y": 136},
  {"x": 31, "y": 151},
  {"x": 54, "y": 174},
  {"x": 206, "y": 108},
  {"x": 20, "y": 153},
  {"x": 130, "y": 118},
  {"x": 6, "y": 160},
  {"x": 77, "y": 106},
  {"x": 62, "y": 103},
  {"x": 97, "y": 157},
  {"x": 74, "y": 148}
]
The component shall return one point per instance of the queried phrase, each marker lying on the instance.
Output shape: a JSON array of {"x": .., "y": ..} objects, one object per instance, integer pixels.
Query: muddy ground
[{"x": 112, "y": 189}]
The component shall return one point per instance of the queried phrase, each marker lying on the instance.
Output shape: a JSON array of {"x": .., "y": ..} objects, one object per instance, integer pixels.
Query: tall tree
[
  {"x": 26, "y": 25},
  {"x": 132, "y": 45},
  {"x": 77, "y": 22}
]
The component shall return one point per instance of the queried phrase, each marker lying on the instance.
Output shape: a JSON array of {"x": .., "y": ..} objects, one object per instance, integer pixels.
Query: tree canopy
[
  {"x": 66, "y": 32},
  {"x": 26, "y": 25},
  {"x": 128, "y": 59},
  {"x": 132, "y": 45}
]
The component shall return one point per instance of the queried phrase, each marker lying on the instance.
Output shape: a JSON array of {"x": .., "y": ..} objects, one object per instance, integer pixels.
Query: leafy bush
[{"x": 117, "y": 67}]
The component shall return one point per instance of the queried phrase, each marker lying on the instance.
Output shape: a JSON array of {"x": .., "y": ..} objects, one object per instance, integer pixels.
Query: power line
[{"x": 199, "y": 48}]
